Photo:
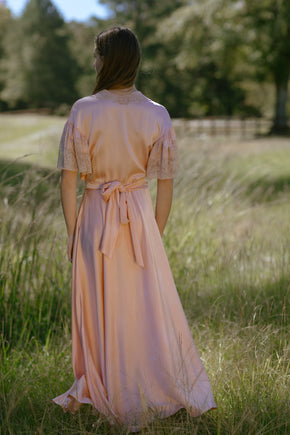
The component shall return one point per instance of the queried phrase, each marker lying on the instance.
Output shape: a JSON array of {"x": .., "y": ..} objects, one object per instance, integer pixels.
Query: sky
[{"x": 78, "y": 10}]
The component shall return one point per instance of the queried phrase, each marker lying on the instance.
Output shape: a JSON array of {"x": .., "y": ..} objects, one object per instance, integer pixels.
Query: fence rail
[
  {"x": 200, "y": 127},
  {"x": 226, "y": 126}
]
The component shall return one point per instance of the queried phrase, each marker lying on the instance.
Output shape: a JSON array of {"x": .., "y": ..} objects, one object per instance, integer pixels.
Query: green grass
[
  {"x": 30, "y": 138},
  {"x": 227, "y": 241}
]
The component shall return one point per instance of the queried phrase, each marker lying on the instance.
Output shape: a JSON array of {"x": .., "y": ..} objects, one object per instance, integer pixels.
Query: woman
[{"x": 132, "y": 350}]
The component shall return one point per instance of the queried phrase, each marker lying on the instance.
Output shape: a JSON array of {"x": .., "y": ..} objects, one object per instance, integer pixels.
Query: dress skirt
[{"x": 133, "y": 354}]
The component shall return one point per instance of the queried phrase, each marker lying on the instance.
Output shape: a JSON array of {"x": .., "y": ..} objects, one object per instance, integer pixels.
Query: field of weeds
[{"x": 228, "y": 244}]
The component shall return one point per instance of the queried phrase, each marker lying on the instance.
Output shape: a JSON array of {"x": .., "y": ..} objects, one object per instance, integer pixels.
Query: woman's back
[
  {"x": 113, "y": 134},
  {"x": 132, "y": 350}
]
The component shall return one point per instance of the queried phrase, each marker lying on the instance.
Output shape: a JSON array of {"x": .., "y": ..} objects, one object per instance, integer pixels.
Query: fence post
[
  {"x": 199, "y": 126},
  {"x": 228, "y": 126},
  {"x": 243, "y": 127},
  {"x": 258, "y": 127}
]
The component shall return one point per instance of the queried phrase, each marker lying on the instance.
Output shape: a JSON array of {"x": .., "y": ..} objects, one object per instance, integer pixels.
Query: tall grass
[{"x": 227, "y": 241}]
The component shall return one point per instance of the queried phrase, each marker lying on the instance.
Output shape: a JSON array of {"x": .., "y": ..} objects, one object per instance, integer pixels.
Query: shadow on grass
[
  {"x": 33, "y": 415},
  {"x": 266, "y": 189},
  {"x": 241, "y": 303},
  {"x": 246, "y": 416}
]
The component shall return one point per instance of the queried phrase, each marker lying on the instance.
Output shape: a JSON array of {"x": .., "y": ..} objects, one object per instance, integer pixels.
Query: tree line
[{"x": 200, "y": 57}]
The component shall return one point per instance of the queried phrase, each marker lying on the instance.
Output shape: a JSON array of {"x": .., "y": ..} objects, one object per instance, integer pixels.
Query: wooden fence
[
  {"x": 201, "y": 127},
  {"x": 225, "y": 126}
]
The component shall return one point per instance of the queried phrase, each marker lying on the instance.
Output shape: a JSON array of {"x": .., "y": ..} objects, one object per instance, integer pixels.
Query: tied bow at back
[{"x": 120, "y": 209}]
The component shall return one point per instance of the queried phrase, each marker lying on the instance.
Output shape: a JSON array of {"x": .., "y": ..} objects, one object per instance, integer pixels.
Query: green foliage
[
  {"x": 270, "y": 20},
  {"x": 202, "y": 57},
  {"x": 270, "y": 39},
  {"x": 5, "y": 23},
  {"x": 43, "y": 73},
  {"x": 227, "y": 241},
  {"x": 208, "y": 52},
  {"x": 81, "y": 44},
  {"x": 156, "y": 76}
]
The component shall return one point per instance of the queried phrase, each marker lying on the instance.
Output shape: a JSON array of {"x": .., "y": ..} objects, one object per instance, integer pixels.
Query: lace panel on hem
[
  {"x": 74, "y": 150},
  {"x": 163, "y": 159}
]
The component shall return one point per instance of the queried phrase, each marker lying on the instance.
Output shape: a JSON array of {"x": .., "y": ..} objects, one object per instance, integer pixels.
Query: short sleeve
[
  {"x": 163, "y": 159},
  {"x": 74, "y": 150}
]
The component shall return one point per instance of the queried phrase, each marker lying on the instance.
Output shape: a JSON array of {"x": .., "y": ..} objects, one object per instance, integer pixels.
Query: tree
[
  {"x": 143, "y": 17},
  {"x": 82, "y": 47},
  {"x": 209, "y": 54},
  {"x": 39, "y": 64},
  {"x": 6, "y": 23},
  {"x": 269, "y": 21}
]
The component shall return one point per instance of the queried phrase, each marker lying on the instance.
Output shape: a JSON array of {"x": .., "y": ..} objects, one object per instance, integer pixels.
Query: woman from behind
[{"x": 133, "y": 354}]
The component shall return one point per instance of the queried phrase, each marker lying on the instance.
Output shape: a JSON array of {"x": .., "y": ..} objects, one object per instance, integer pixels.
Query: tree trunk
[{"x": 280, "y": 121}]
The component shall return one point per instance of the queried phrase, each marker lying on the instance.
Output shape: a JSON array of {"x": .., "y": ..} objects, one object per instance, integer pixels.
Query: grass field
[{"x": 227, "y": 240}]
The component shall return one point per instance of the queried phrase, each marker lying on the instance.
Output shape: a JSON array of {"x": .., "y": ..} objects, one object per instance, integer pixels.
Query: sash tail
[{"x": 120, "y": 209}]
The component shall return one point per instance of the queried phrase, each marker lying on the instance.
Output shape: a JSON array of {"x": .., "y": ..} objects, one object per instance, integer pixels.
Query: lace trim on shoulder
[
  {"x": 163, "y": 159},
  {"x": 74, "y": 150},
  {"x": 134, "y": 97}
]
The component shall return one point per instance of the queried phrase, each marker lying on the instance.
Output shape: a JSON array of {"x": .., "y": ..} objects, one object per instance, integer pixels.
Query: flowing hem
[{"x": 78, "y": 394}]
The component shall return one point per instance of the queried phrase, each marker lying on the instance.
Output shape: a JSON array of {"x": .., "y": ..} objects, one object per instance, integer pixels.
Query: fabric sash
[{"x": 120, "y": 209}]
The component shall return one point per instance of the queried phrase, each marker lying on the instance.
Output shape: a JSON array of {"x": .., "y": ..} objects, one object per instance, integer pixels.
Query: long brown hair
[{"x": 120, "y": 52}]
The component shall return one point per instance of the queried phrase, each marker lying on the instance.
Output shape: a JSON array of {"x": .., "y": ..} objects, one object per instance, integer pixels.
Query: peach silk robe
[{"x": 132, "y": 350}]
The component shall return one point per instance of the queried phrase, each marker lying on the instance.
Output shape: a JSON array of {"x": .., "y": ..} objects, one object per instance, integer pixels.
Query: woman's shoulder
[
  {"x": 83, "y": 102},
  {"x": 158, "y": 110},
  {"x": 161, "y": 114},
  {"x": 154, "y": 104},
  {"x": 82, "y": 108},
  {"x": 136, "y": 98}
]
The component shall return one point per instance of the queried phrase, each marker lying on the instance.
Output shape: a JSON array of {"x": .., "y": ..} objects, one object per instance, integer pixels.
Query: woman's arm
[
  {"x": 69, "y": 205},
  {"x": 163, "y": 202}
]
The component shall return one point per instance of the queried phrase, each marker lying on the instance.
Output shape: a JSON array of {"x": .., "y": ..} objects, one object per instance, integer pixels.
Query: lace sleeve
[
  {"x": 163, "y": 159},
  {"x": 74, "y": 151}
]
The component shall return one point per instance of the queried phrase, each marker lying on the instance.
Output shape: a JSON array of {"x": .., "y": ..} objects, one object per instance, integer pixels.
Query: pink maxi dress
[{"x": 133, "y": 354}]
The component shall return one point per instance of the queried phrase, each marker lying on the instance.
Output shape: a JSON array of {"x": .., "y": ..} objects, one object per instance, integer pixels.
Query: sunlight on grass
[
  {"x": 227, "y": 241},
  {"x": 35, "y": 137}
]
